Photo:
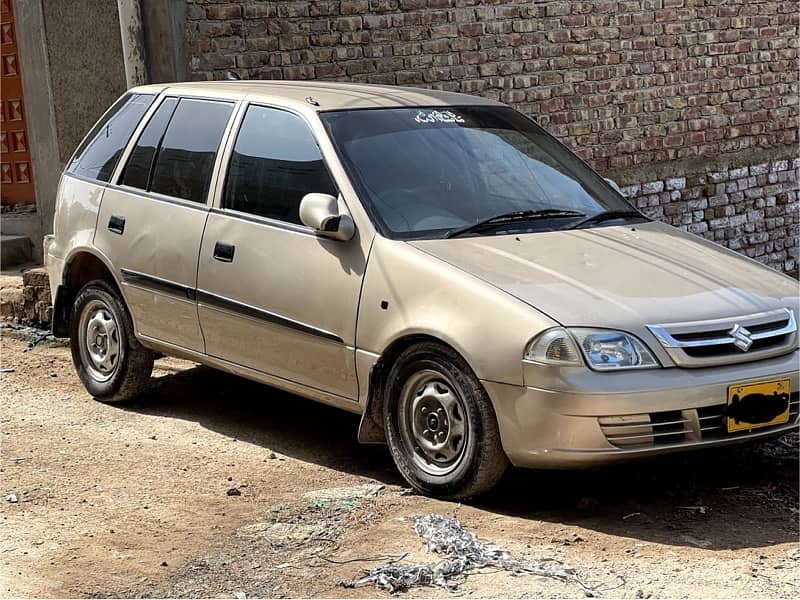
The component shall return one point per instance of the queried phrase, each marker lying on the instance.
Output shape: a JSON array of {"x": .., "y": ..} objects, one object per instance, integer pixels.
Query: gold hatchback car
[{"x": 434, "y": 262}]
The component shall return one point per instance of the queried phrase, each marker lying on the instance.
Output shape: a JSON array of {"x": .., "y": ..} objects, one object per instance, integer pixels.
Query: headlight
[{"x": 603, "y": 349}]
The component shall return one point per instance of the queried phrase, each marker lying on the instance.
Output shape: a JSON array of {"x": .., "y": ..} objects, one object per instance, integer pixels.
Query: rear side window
[
  {"x": 185, "y": 160},
  {"x": 275, "y": 162},
  {"x": 137, "y": 171},
  {"x": 99, "y": 153}
]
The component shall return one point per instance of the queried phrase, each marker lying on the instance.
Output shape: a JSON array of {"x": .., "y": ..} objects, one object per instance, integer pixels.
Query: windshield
[{"x": 425, "y": 171}]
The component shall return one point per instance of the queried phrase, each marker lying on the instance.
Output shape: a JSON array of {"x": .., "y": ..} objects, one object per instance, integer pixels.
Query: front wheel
[
  {"x": 440, "y": 424},
  {"x": 111, "y": 363}
]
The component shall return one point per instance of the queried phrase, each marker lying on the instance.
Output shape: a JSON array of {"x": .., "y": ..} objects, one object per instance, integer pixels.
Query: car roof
[{"x": 329, "y": 95}]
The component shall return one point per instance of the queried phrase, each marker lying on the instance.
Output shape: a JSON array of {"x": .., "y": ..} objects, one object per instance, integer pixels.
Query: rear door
[
  {"x": 272, "y": 295},
  {"x": 151, "y": 221}
]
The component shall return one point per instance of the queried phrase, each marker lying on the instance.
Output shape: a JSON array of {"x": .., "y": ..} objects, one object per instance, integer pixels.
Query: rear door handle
[
  {"x": 116, "y": 225},
  {"x": 224, "y": 252}
]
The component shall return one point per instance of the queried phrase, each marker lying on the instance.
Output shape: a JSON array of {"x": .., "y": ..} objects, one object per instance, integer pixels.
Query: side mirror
[
  {"x": 320, "y": 212},
  {"x": 614, "y": 185}
]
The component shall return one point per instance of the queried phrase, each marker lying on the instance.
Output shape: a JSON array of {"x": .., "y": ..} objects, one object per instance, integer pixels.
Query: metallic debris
[{"x": 461, "y": 553}]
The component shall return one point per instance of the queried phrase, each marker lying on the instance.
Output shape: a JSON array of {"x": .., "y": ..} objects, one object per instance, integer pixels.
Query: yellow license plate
[{"x": 758, "y": 404}]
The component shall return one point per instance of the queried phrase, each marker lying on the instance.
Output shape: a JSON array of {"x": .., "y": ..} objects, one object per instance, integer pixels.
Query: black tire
[
  {"x": 133, "y": 364},
  {"x": 480, "y": 462}
]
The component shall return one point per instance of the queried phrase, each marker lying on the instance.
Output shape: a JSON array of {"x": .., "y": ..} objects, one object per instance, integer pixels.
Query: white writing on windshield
[{"x": 437, "y": 116}]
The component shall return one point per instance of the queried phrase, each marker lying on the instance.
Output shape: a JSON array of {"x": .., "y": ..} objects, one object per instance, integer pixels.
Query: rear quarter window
[{"x": 99, "y": 153}]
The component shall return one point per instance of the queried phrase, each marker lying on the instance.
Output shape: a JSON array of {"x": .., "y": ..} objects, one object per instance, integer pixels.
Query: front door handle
[
  {"x": 224, "y": 252},
  {"x": 116, "y": 225}
]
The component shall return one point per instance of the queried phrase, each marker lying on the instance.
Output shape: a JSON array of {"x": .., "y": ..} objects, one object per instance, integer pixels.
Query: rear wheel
[
  {"x": 111, "y": 363},
  {"x": 440, "y": 425}
]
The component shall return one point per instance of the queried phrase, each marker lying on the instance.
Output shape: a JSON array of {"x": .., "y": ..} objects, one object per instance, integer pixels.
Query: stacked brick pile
[{"x": 26, "y": 299}]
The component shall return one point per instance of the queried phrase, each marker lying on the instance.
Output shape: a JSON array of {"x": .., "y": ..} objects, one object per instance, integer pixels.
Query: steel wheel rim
[
  {"x": 99, "y": 341},
  {"x": 433, "y": 422}
]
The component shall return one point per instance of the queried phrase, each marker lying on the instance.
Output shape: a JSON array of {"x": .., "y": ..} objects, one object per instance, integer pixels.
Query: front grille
[
  {"x": 716, "y": 342},
  {"x": 677, "y": 426},
  {"x": 730, "y": 349},
  {"x": 718, "y": 333}
]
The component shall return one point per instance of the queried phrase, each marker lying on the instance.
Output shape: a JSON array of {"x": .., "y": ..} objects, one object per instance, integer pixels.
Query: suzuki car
[{"x": 435, "y": 262}]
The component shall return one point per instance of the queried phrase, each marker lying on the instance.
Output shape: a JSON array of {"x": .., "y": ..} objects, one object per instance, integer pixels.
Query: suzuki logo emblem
[{"x": 741, "y": 337}]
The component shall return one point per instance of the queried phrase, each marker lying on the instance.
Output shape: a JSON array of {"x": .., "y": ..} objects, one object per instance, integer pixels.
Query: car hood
[{"x": 624, "y": 276}]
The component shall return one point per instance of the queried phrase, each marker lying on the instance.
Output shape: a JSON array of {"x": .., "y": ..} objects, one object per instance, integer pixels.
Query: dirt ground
[{"x": 134, "y": 501}]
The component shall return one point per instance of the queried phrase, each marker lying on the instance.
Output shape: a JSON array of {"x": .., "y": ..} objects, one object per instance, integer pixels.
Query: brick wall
[
  {"x": 707, "y": 84},
  {"x": 749, "y": 208}
]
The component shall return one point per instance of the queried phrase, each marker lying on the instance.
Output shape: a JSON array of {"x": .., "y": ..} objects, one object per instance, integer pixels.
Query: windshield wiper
[
  {"x": 511, "y": 217},
  {"x": 608, "y": 215}
]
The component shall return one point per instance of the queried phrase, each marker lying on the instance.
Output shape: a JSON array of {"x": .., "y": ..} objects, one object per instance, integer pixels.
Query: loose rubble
[{"x": 34, "y": 336}]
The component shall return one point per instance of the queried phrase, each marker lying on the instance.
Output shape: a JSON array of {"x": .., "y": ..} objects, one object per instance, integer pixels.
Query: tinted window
[
  {"x": 186, "y": 157},
  {"x": 137, "y": 171},
  {"x": 275, "y": 162},
  {"x": 98, "y": 155},
  {"x": 424, "y": 172}
]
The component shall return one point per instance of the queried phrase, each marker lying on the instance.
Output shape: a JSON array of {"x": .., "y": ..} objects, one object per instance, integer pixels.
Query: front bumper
[{"x": 591, "y": 418}]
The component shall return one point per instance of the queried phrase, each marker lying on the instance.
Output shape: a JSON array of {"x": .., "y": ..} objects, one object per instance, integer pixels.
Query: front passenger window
[{"x": 275, "y": 162}]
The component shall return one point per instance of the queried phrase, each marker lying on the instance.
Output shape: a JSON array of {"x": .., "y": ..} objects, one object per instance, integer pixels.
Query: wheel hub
[
  {"x": 99, "y": 341},
  {"x": 433, "y": 422}
]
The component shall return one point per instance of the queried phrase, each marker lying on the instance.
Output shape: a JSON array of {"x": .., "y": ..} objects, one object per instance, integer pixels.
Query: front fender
[{"x": 407, "y": 292}]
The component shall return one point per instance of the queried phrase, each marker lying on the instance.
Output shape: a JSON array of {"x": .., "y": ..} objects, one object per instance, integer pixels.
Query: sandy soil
[{"x": 134, "y": 501}]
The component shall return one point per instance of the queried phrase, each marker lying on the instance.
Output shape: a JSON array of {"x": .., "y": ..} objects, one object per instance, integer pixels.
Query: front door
[
  {"x": 151, "y": 223},
  {"x": 272, "y": 296},
  {"x": 16, "y": 181}
]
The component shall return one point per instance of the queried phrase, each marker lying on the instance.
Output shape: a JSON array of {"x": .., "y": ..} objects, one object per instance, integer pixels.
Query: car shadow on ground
[
  {"x": 273, "y": 419},
  {"x": 728, "y": 498}
]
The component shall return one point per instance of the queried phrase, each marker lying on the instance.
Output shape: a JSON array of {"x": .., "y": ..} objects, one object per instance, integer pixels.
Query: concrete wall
[
  {"x": 86, "y": 69},
  {"x": 71, "y": 58},
  {"x": 645, "y": 90}
]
